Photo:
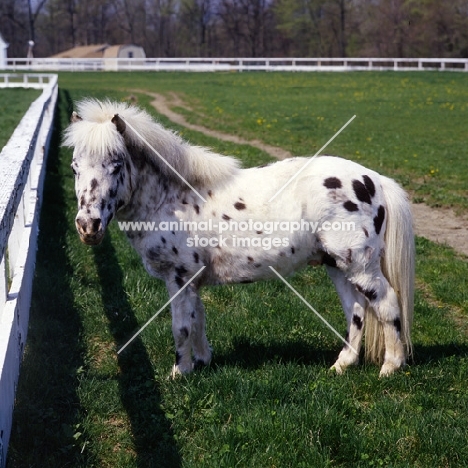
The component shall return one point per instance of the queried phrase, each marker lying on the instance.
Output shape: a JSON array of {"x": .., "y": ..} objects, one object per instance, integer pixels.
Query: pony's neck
[{"x": 150, "y": 190}]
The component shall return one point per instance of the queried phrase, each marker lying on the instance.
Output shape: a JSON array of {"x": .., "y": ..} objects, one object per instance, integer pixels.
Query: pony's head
[
  {"x": 108, "y": 154},
  {"x": 102, "y": 170}
]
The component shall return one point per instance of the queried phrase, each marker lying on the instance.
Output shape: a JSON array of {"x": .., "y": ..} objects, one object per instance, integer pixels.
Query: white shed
[
  {"x": 122, "y": 51},
  {"x": 3, "y": 53}
]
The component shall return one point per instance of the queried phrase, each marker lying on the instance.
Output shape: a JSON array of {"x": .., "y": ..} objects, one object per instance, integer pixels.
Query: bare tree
[
  {"x": 197, "y": 16},
  {"x": 243, "y": 21}
]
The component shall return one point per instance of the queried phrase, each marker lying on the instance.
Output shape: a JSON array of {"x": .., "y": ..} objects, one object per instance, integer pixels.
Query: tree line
[{"x": 241, "y": 28}]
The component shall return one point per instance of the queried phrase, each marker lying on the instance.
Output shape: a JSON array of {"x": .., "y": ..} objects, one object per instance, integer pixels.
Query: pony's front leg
[
  {"x": 201, "y": 348},
  {"x": 188, "y": 329}
]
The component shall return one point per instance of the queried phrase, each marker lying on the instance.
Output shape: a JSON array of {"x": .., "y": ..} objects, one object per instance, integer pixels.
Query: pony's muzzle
[{"x": 91, "y": 230}]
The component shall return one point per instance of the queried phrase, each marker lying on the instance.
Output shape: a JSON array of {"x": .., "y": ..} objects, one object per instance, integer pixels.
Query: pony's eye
[{"x": 116, "y": 169}]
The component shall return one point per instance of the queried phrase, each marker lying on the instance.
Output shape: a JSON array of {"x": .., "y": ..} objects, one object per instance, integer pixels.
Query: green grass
[
  {"x": 268, "y": 399},
  {"x": 411, "y": 126},
  {"x": 14, "y": 103}
]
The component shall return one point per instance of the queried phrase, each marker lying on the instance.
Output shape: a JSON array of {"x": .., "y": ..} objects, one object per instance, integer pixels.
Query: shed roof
[{"x": 92, "y": 51}]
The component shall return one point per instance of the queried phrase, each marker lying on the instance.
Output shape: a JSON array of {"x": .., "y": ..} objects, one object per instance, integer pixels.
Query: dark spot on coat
[
  {"x": 197, "y": 209},
  {"x": 379, "y": 219},
  {"x": 350, "y": 206},
  {"x": 397, "y": 325},
  {"x": 196, "y": 257},
  {"x": 349, "y": 257},
  {"x": 369, "y": 185},
  {"x": 163, "y": 240},
  {"x": 178, "y": 358},
  {"x": 328, "y": 260},
  {"x": 154, "y": 253},
  {"x": 94, "y": 184},
  {"x": 226, "y": 217},
  {"x": 361, "y": 192},
  {"x": 184, "y": 333},
  {"x": 369, "y": 293},
  {"x": 293, "y": 250},
  {"x": 174, "y": 249},
  {"x": 239, "y": 206},
  {"x": 181, "y": 270},
  {"x": 179, "y": 281},
  {"x": 103, "y": 205},
  {"x": 82, "y": 201},
  {"x": 357, "y": 321},
  {"x": 184, "y": 202},
  {"x": 332, "y": 183},
  {"x": 366, "y": 233},
  {"x": 250, "y": 259},
  {"x": 113, "y": 193},
  {"x": 210, "y": 193},
  {"x": 259, "y": 232},
  {"x": 120, "y": 203}
]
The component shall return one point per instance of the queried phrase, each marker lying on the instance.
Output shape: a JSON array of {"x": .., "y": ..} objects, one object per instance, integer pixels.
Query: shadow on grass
[
  {"x": 250, "y": 355},
  {"x": 139, "y": 392},
  {"x": 426, "y": 354},
  {"x": 47, "y": 406}
]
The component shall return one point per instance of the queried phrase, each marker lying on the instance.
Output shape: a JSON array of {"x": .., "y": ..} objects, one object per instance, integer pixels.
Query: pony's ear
[
  {"x": 119, "y": 123},
  {"x": 75, "y": 117}
]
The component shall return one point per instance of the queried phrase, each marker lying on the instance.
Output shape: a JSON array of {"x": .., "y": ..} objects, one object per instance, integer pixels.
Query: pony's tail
[{"x": 398, "y": 267}]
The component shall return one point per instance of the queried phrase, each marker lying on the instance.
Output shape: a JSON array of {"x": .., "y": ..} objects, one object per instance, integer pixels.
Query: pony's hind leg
[
  {"x": 383, "y": 300},
  {"x": 353, "y": 304}
]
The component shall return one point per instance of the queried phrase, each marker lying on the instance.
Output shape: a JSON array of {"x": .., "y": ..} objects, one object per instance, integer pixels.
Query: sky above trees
[{"x": 241, "y": 28}]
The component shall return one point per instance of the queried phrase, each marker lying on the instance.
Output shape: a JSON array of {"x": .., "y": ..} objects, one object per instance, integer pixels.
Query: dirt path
[{"x": 438, "y": 225}]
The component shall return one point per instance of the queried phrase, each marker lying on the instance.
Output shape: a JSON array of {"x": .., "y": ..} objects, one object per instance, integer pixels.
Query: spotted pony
[{"x": 129, "y": 167}]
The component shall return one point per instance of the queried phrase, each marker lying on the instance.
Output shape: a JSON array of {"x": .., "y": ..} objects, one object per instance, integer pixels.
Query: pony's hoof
[
  {"x": 388, "y": 369},
  {"x": 337, "y": 368},
  {"x": 177, "y": 371}
]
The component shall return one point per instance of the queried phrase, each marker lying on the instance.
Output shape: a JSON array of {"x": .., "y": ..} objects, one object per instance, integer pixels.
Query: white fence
[
  {"x": 22, "y": 170},
  {"x": 237, "y": 64}
]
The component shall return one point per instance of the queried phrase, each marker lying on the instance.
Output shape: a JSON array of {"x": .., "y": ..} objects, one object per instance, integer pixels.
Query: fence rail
[
  {"x": 237, "y": 64},
  {"x": 22, "y": 170}
]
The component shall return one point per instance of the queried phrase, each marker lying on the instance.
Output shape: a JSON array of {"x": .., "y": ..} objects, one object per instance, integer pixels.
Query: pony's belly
[{"x": 247, "y": 265}]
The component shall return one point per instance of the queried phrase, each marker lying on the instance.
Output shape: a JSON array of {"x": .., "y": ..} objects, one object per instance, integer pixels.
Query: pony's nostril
[
  {"x": 81, "y": 224},
  {"x": 91, "y": 226},
  {"x": 96, "y": 223}
]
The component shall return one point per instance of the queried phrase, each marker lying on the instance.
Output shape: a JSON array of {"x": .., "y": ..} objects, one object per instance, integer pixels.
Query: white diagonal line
[
  {"x": 160, "y": 310},
  {"x": 313, "y": 310},
  {"x": 156, "y": 152},
  {"x": 310, "y": 160}
]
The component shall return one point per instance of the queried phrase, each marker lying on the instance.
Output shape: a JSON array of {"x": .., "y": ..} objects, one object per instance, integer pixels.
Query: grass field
[
  {"x": 13, "y": 104},
  {"x": 268, "y": 399}
]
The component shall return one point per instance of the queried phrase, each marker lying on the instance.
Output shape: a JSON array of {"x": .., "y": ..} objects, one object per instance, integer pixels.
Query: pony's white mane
[{"x": 96, "y": 135}]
